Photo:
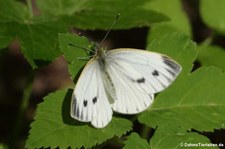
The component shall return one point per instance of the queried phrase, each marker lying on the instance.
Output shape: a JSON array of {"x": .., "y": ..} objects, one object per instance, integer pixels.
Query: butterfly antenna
[{"x": 100, "y": 45}]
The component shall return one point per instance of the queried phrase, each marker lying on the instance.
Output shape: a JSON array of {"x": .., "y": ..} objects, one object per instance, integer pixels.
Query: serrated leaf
[
  {"x": 213, "y": 14},
  {"x": 192, "y": 96},
  {"x": 53, "y": 127},
  {"x": 100, "y": 14},
  {"x": 169, "y": 136},
  {"x": 134, "y": 141},
  {"x": 179, "y": 47},
  {"x": 212, "y": 55},
  {"x": 196, "y": 101}
]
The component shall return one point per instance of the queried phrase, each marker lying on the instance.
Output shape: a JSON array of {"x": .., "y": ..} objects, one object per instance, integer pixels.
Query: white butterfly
[{"x": 121, "y": 80}]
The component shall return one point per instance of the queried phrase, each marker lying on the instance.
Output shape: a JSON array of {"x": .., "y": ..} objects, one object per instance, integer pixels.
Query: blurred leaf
[
  {"x": 17, "y": 12},
  {"x": 37, "y": 37},
  {"x": 169, "y": 136},
  {"x": 53, "y": 127},
  {"x": 178, "y": 18},
  {"x": 60, "y": 7},
  {"x": 212, "y": 55},
  {"x": 100, "y": 14},
  {"x": 134, "y": 141},
  {"x": 213, "y": 14},
  {"x": 3, "y": 146},
  {"x": 5, "y": 38}
]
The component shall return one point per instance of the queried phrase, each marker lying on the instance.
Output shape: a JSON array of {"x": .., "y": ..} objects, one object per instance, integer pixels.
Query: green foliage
[
  {"x": 53, "y": 127},
  {"x": 195, "y": 101},
  {"x": 99, "y": 14},
  {"x": 178, "y": 20},
  {"x": 212, "y": 55},
  {"x": 31, "y": 32},
  {"x": 70, "y": 46},
  {"x": 134, "y": 141},
  {"x": 192, "y": 96},
  {"x": 168, "y": 135},
  {"x": 213, "y": 14}
]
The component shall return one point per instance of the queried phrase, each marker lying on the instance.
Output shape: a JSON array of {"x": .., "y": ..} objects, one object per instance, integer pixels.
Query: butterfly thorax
[{"x": 100, "y": 56}]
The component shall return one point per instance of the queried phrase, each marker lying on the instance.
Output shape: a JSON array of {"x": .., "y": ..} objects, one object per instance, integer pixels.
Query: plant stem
[
  {"x": 30, "y": 8},
  {"x": 20, "y": 115}
]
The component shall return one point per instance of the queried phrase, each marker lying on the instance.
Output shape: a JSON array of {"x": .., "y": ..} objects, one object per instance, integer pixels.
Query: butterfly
[{"x": 123, "y": 80}]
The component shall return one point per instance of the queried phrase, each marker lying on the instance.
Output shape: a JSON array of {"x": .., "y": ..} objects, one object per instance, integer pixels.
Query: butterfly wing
[
  {"x": 89, "y": 100},
  {"x": 137, "y": 75}
]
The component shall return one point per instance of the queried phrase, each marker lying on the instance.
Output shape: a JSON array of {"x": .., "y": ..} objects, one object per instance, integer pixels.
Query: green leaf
[
  {"x": 3, "y": 146},
  {"x": 73, "y": 47},
  {"x": 5, "y": 38},
  {"x": 53, "y": 127},
  {"x": 196, "y": 101},
  {"x": 39, "y": 41},
  {"x": 17, "y": 12},
  {"x": 179, "y": 47},
  {"x": 178, "y": 19},
  {"x": 37, "y": 36},
  {"x": 100, "y": 14},
  {"x": 212, "y": 55},
  {"x": 192, "y": 96},
  {"x": 169, "y": 136},
  {"x": 134, "y": 141},
  {"x": 213, "y": 14},
  {"x": 60, "y": 7}
]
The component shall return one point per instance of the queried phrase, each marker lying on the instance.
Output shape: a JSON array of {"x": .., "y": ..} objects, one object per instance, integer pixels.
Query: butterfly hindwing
[
  {"x": 137, "y": 75},
  {"x": 89, "y": 101}
]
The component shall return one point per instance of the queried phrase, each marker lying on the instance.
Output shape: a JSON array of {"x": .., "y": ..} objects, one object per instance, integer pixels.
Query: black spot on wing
[
  {"x": 174, "y": 66},
  {"x": 85, "y": 103},
  {"x": 155, "y": 73},
  {"x": 141, "y": 80},
  {"x": 94, "y": 100}
]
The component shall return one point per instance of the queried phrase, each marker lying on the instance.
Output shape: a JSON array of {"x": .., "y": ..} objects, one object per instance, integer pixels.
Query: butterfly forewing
[
  {"x": 89, "y": 101},
  {"x": 158, "y": 70},
  {"x": 137, "y": 75}
]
